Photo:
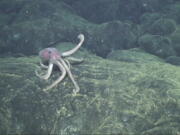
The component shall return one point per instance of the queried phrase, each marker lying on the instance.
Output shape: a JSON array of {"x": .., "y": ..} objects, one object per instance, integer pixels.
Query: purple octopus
[{"x": 54, "y": 57}]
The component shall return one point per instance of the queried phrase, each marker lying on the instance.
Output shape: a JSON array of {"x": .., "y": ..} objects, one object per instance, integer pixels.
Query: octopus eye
[{"x": 49, "y": 52}]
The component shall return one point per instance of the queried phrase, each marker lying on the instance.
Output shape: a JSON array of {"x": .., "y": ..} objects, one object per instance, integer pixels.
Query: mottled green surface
[
  {"x": 163, "y": 27},
  {"x": 116, "y": 97},
  {"x": 175, "y": 37},
  {"x": 158, "y": 45}
]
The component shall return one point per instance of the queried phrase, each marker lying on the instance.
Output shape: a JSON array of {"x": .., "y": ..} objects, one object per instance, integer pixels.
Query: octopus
[{"x": 62, "y": 60}]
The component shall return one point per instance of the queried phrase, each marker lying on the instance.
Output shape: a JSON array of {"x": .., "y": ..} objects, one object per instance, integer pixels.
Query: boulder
[
  {"x": 162, "y": 27},
  {"x": 175, "y": 60},
  {"x": 176, "y": 40},
  {"x": 157, "y": 45},
  {"x": 111, "y": 36},
  {"x": 39, "y": 24},
  {"x": 135, "y": 55},
  {"x": 173, "y": 11}
]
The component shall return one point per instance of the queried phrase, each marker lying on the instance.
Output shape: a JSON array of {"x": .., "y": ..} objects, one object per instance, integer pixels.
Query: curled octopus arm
[
  {"x": 47, "y": 75},
  {"x": 68, "y": 53},
  {"x": 42, "y": 65}
]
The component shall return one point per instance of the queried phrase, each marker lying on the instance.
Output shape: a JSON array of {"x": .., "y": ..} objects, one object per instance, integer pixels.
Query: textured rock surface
[
  {"x": 116, "y": 97},
  {"x": 39, "y": 24},
  {"x": 111, "y": 36},
  {"x": 176, "y": 40},
  {"x": 131, "y": 92},
  {"x": 29, "y": 26},
  {"x": 157, "y": 45},
  {"x": 163, "y": 27}
]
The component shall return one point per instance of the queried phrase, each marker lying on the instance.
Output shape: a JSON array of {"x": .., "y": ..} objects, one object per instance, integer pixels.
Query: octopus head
[{"x": 49, "y": 54}]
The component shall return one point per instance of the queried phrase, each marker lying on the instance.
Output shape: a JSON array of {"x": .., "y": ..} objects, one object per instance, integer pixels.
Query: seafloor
[{"x": 129, "y": 80}]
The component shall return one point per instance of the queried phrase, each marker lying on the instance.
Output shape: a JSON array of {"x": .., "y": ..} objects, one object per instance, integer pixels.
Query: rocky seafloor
[
  {"x": 129, "y": 80},
  {"x": 134, "y": 94}
]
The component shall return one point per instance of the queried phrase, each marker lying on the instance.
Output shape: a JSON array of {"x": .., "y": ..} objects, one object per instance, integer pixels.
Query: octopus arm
[
  {"x": 70, "y": 52},
  {"x": 60, "y": 78},
  {"x": 71, "y": 77},
  {"x": 47, "y": 75},
  {"x": 42, "y": 65}
]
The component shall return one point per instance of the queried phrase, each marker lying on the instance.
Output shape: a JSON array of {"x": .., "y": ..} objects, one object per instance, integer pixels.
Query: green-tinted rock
[
  {"x": 111, "y": 36},
  {"x": 173, "y": 11},
  {"x": 135, "y": 55},
  {"x": 162, "y": 27},
  {"x": 4, "y": 19},
  {"x": 116, "y": 97},
  {"x": 10, "y": 7},
  {"x": 175, "y": 60},
  {"x": 175, "y": 37},
  {"x": 157, "y": 45},
  {"x": 41, "y": 24}
]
